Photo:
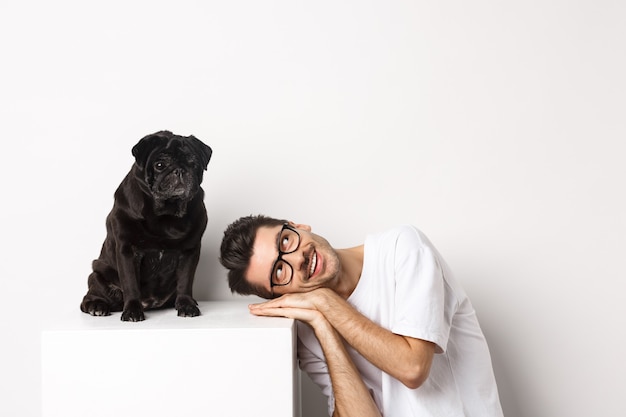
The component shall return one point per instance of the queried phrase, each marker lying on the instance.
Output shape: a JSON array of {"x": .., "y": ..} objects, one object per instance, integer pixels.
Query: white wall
[{"x": 495, "y": 127}]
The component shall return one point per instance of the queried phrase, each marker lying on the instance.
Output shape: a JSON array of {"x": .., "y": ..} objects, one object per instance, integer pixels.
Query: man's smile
[{"x": 313, "y": 264}]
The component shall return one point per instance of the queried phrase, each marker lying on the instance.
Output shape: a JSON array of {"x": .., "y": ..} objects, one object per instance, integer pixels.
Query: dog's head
[{"x": 170, "y": 168}]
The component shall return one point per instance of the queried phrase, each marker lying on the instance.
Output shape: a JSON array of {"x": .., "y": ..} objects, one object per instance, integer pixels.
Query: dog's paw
[
  {"x": 133, "y": 311},
  {"x": 188, "y": 311},
  {"x": 96, "y": 308},
  {"x": 187, "y": 307}
]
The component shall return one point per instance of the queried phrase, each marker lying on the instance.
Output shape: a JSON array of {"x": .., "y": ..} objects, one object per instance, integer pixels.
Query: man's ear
[{"x": 300, "y": 226}]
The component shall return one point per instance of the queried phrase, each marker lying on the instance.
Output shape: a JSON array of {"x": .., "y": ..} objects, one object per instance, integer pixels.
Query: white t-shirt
[{"x": 406, "y": 287}]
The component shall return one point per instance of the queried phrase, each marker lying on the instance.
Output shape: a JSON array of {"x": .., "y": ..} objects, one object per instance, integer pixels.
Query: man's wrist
[
  {"x": 320, "y": 324},
  {"x": 323, "y": 299}
]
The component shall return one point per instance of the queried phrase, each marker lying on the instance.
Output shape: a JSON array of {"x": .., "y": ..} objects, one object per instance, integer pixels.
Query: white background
[{"x": 496, "y": 127}]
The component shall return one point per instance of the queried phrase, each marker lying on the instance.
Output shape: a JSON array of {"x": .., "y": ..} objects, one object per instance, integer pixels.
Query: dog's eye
[{"x": 159, "y": 166}]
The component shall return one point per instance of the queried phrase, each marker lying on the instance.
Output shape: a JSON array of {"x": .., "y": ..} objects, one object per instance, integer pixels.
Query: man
[{"x": 388, "y": 329}]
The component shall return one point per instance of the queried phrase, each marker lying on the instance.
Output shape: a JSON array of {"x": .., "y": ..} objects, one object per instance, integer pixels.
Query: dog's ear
[
  {"x": 141, "y": 151},
  {"x": 202, "y": 150}
]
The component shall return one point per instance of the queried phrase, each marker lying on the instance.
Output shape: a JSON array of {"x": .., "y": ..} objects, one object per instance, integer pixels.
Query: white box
[{"x": 223, "y": 363}]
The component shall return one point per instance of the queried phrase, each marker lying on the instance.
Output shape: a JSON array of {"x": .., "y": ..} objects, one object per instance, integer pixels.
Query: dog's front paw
[
  {"x": 96, "y": 308},
  {"x": 187, "y": 306},
  {"x": 133, "y": 311}
]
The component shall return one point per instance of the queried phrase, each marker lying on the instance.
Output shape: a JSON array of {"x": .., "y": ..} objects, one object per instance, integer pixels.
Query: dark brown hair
[{"x": 236, "y": 251}]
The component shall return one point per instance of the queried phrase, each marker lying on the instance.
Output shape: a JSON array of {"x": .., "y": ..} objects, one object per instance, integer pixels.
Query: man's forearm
[
  {"x": 406, "y": 359},
  {"x": 352, "y": 398}
]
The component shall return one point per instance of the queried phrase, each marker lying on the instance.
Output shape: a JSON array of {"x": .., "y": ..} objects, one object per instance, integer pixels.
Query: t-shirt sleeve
[{"x": 422, "y": 302}]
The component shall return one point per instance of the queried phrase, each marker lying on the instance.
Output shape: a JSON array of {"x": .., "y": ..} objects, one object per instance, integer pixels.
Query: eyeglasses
[{"x": 288, "y": 242}]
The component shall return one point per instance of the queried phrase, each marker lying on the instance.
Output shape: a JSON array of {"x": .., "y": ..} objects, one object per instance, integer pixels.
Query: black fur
[{"x": 151, "y": 251}]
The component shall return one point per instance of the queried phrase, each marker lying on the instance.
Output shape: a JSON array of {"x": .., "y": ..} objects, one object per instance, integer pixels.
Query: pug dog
[{"x": 152, "y": 246}]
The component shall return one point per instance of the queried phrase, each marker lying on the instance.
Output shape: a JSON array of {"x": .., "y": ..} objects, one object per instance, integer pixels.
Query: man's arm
[
  {"x": 405, "y": 358},
  {"x": 352, "y": 397}
]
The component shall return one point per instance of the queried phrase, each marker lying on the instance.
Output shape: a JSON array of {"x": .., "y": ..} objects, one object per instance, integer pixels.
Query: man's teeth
[{"x": 313, "y": 264}]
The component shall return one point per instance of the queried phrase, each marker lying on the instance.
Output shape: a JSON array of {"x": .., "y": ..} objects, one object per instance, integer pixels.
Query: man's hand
[
  {"x": 407, "y": 359},
  {"x": 300, "y": 306},
  {"x": 303, "y": 314},
  {"x": 305, "y": 300}
]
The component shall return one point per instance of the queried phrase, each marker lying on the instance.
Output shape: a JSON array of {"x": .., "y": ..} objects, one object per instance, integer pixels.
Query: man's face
[{"x": 314, "y": 264}]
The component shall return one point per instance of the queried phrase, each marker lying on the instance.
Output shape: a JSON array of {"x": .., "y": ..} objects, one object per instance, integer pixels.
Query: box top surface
[{"x": 214, "y": 315}]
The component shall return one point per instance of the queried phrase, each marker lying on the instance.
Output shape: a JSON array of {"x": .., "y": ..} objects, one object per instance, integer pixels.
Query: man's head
[
  {"x": 269, "y": 257},
  {"x": 237, "y": 249}
]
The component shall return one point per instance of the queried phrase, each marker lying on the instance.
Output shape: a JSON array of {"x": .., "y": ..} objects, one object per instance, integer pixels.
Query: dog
[{"x": 152, "y": 246}]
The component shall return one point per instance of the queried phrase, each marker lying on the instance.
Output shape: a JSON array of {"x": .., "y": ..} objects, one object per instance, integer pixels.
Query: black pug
[{"x": 152, "y": 247}]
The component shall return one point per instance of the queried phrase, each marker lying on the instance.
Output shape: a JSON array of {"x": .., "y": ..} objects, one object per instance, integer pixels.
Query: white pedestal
[{"x": 223, "y": 363}]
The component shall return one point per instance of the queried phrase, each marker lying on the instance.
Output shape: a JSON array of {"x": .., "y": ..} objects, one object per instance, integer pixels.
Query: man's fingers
[
  {"x": 270, "y": 303},
  {"x": 275, "y": 312},
  {"x": 301, "y": 314}
]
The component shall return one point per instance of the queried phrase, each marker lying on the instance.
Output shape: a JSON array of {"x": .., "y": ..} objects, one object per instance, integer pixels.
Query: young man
[{"x": 389, "y": 331}]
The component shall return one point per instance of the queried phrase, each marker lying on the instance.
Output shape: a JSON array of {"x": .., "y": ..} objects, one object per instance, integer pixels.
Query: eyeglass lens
[{"x": 287, "y": 243}]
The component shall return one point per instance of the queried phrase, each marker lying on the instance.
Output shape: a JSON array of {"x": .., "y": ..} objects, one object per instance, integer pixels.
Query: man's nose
[{"x": 295, "y": 259}]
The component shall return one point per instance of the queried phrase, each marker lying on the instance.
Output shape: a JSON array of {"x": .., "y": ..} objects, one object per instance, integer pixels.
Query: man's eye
[
  {"x": 279, "y": 273},
  {"x": 284, "y": 243}
]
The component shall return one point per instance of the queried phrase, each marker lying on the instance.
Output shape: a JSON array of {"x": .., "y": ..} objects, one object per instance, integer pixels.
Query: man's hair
[{"x": 236, "y": 251}]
